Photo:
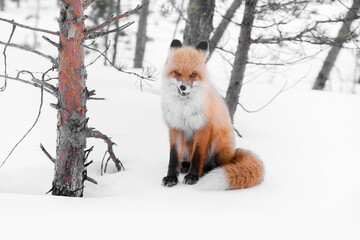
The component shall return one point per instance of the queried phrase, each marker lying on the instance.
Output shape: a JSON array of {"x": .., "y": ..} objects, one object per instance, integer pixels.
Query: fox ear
[
  {"x": 203, "y": 46},
  {"x": 176, "y": 44}
]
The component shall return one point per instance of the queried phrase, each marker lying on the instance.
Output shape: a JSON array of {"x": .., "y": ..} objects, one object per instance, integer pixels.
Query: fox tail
[{"x": 243, "y": 171}]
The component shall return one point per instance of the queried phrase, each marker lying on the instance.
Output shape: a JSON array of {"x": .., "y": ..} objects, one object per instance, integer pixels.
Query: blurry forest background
[
  {"x": 282, "y": 37},
  {"x": 288, "y": 43}
]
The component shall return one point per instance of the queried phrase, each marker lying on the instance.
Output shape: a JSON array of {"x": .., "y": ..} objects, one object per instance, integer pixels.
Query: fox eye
[
  {"x": 177, "y": 73},
  {"x": 193, "y": 75}
]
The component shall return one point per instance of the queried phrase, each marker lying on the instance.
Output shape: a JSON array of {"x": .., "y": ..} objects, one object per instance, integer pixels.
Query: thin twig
[
  {"x": 126, "y": 14},
  {"x": 51, "y": 42},
  {"x": 91, "y": 180},
  {"x": 5, "y": 62},
  {"x": 87, "y": 3},
  {"x": 31, "y": 128},
  {"x": 47, "y": 153},
  {"x": 237, "y": 132},
  {"x": 28, "y": 27},
  {"x": 283, "y": 89},
  {"x": 149, "y": 77},
  {"x": 101, "y": 54},
  {"x": 102, "y": 163},
  {"x": 31, "y": 50},
  {"x": 100, "y": 34},
  {"x": 35, "y": 84},
  {"x": 265, "y": 105},
  {"x": 40, "y": 82}
]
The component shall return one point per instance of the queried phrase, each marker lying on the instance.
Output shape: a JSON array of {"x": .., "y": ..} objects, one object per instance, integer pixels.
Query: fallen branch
[
  {"x": 28, "y": 27},
  {"x": 113, "y": 19},
  {"x": 92, "y": 133}
]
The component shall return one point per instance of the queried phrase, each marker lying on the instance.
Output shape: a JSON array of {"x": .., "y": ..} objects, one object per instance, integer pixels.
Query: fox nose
[{"x": 182, "y": 87}]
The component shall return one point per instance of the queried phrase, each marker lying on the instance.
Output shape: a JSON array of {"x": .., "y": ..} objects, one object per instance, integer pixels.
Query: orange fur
[{"x": 215, "y": 137}]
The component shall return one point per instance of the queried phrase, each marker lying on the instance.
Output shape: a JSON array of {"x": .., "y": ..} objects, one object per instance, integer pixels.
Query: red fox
[{"x": 200, "y": 129}]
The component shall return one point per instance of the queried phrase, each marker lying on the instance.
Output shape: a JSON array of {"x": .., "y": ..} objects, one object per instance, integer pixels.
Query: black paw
[
  {"x": 191, "y": 179},
  {"x": 169, "y": 181},
  {"x": 185, "y": 166}
]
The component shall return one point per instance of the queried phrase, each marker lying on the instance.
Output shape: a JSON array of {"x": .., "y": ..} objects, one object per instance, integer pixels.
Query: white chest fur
[{"x": 183, "y": 113}]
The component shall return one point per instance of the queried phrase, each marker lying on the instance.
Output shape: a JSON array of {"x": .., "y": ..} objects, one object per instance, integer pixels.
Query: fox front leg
[
  {"x": 173, "y": 171},
  {"x": 193, "y": 176}
]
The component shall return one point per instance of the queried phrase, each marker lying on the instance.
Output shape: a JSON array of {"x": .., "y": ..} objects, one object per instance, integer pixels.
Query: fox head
[{"x": 186, "y": 67}]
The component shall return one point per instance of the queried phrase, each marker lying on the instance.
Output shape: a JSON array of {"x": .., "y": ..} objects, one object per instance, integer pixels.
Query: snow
[{"x": 308, "y": 141}]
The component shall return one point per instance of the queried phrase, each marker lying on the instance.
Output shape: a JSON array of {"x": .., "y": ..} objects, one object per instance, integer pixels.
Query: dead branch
[
  {"x": 92, "y": 133},
  {"x": 101, "y": 54},
  {"x": 283, "y": 89},
  {"x": 28, "y": 27},
  {"x": 51, "y": 42},
  {"x": 40, "y": 82},
  {"x": 100, "y": 34},
  {"x": 87, "y": 3},
  {"x": 91, "y": 93},
  {"x": 265, "y": 105},
  {"x": 53, "y": 60},
  {"x": 47, "y": 153},
  {"x": 149, "y": 76},
  {"x": 31, "y": 128},
  {"x": 35, "y": 84},
  {"x": 102, "y": 163},
  {"x": 113, "y": 19},
  {"x": 5, "y": 62},
  {"x": 87, "y": 178},
  {"x": 237, "y": 132}
]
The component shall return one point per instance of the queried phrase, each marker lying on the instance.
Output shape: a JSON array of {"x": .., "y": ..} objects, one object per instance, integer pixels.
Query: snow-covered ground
[{"x": 308, "y": 141}]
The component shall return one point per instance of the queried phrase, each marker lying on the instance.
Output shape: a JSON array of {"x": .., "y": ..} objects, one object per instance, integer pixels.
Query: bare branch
[
  {"x": 28, "y": 27},
  {"x": 90, "y": 180},
  {"x": 113, "y": 19},
  {"x": 100, "y": 34},
  {"x": 53, "y": 60},
  {"x": 47, "y": 153},
  {"x": 40, "y": 82},
  {"x": 88, "y": 3},
  {"x": 35, "y": 84},
  {"x": 265, "y": 105},
  {"x": 5, "y": 62},
  {"x": 283, "y": 89},
  {"x": 51, "y": 42},
  {"x": 149, "y": 76},
  {"x": 31, "y": 128},
  {"x": 92, "y": 133}
]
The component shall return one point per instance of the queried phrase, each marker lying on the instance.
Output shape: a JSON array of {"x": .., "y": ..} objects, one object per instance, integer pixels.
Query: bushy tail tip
[{"x": 243, "y": 171}]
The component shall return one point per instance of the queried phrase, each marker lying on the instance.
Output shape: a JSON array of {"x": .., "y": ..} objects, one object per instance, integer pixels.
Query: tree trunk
[
  {"x": 241, "y": 56},
  {"x": 199, "y": 23},
  {"x": 72, "y": 123},
  {"x": 117, "y": 33},
  {"x": 141, "y": 35},
  {"x": 37, "y": 16},
  {"x": 2, "y": 5},
  {"x": 219, "y": 32},
  {"x": 335, "y": 49}
]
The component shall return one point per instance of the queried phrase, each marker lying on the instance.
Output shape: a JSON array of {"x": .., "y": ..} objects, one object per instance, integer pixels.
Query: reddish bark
[{"x": 71, "y": 141}]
